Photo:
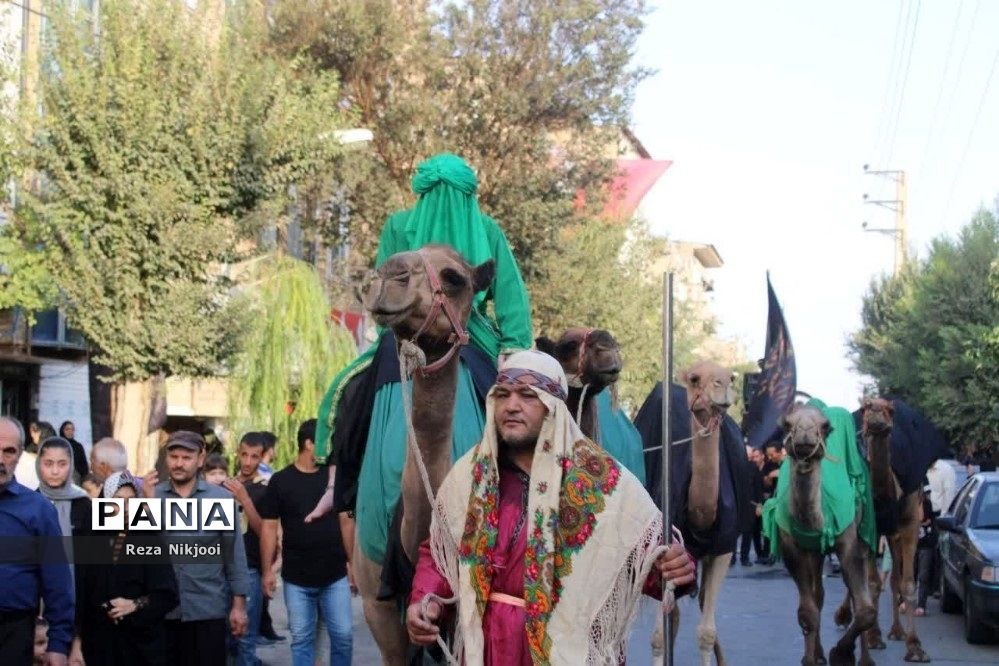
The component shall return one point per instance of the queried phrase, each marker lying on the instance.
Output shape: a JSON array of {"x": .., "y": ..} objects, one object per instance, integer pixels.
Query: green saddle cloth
[
  {"x": 846, "y": 489},
  {"x": 619, "y": 436},
  {"x": 381, "y": 472}
]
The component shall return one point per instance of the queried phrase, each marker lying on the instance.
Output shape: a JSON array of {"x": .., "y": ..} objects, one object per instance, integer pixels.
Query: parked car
[{"x": 969, "y": 552}]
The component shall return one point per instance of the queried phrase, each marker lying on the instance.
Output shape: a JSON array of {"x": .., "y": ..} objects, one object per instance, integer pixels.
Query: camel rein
[
  {"x": 441, "y": 303},
  {"x": 705, "y": 429}
]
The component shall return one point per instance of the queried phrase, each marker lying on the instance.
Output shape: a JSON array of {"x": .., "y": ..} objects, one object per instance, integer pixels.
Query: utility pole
[{"x": 899, "y": 205}]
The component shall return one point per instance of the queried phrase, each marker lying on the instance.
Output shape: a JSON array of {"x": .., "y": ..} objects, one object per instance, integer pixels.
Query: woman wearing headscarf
[
  {"x": 361, "y": 428},
  {"x": 54, "y": 466},
  {"x": 122, "y": 601},
  {"x": 80, "y": 466}
]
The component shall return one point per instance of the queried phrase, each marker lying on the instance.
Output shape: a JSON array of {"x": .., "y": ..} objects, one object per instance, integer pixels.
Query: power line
[
  {"x": 26, "y": 8},
  {"x": 971, "y": 135},
  {"x": 890, "y": 82},
  {"x": 960, "y": 66},
  {"x": 905, "y": 81},
  {"x": 943, "y": 82}
]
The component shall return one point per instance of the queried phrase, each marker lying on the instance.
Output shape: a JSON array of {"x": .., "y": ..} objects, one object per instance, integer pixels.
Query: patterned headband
[{"x": 531, "y": 378}]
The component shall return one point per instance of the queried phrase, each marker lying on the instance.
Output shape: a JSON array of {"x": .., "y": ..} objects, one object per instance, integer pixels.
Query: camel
[
  {"x": 591, "y": 359},
  {"x": 709, "y": 394},
  {"x": 878, "y": 419},
  {"x": 425, "y": 297},
  {"x": 807, "y": 429}
]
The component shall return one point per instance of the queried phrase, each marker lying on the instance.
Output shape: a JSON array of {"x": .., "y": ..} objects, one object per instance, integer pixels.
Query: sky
[{"x": 769, "y": 110}]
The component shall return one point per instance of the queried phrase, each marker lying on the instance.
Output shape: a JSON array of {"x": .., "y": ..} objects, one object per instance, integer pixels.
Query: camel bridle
[
  {"x": 700, "y": 397},
  {"x": 441, "y": 303}
]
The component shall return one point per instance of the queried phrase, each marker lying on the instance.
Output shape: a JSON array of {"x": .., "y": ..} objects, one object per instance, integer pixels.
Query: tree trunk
[{"x": 131, "y": 404}]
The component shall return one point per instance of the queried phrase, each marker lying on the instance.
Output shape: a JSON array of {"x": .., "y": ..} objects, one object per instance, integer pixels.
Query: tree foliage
[
  {"x": 289, "y": 355},
  {"x": 166, "y": 137},
  {"x": 931, "y": 334},
  {"x": 527, "y": 91}
]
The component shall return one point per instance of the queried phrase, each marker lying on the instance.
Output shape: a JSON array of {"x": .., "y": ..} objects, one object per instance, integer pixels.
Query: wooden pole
[{"x": 667, "y": 443}]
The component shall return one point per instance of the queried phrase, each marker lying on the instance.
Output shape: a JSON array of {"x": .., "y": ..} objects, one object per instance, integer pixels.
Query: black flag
[{"x": 777, "y": 382}]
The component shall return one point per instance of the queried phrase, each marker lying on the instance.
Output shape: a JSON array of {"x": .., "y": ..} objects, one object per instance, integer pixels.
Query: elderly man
[
  {"x": 546, "y": 542},
  {"x": 107, "y": 457},
  {"x": 27, "y": 518}
]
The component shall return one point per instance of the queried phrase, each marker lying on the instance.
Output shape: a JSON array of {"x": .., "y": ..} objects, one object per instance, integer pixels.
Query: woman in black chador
[{"x": 124, "y": 598}]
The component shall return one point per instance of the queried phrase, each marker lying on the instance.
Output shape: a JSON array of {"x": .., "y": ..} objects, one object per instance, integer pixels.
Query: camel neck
[
  {"x": 588, "y": 416},
  {"x": 702, "y": 497},
  {"x": 879, "y": 452},
  {"x": 806, "y": 495}
]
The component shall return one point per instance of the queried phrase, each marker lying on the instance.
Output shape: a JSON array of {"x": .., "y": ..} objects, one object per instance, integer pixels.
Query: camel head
[
  {"x": 400, "y": 294},
  {"x": 806, "y": 429},
  {"x": 591, "y": 355},
  {"x": 878, "y": 416},
  {"x": 709, "y": 389}
]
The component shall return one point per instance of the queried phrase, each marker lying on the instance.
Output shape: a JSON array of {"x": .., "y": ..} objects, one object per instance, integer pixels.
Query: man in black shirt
[{"x": 314, "y": 564}]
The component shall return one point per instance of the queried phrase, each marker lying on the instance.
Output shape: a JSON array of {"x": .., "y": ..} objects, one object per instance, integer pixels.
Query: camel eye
[{"x": 452, "y": 279}]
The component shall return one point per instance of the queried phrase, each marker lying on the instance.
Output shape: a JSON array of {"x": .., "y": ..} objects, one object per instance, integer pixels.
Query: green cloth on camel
[
  {"x": 846, "y": 488},
  {"x": 619, "y": 436},
  {"x": 447, "y": 212}
]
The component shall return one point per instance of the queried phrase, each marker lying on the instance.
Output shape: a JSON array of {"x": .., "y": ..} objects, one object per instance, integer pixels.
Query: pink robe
[{"x": 502, "y": 624}]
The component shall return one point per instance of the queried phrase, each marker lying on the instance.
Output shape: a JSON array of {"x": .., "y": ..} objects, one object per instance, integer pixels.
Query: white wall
[{"x": 64, "y": 395}]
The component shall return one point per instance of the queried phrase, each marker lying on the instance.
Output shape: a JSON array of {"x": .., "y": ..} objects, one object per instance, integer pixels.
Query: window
[
  {"x": 971, "y": 491},
  {"x": 987, "y": 515}
]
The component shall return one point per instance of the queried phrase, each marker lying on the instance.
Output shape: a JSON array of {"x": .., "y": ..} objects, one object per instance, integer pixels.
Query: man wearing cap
[
  {"x": 545, "y": 541},
  {"x": 196, "y": 628}
]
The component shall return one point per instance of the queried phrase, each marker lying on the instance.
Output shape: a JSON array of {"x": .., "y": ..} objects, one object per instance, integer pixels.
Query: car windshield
[{"x": 988, "y": 508}]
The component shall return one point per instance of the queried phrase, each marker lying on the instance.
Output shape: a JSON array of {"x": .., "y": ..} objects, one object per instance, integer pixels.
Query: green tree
[
  {"x": 930, "y": 335},
  {"x": 289, "y": 355},
  {"x": 167, "y": 138},
  {"x": 530, "y": 92}
]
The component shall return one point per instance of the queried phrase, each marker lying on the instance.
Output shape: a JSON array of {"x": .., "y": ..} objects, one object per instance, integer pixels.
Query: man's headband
[{"x": 531, "y": 378}]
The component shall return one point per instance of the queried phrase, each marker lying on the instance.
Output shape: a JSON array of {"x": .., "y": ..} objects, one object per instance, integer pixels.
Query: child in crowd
[
  {"x": 91, "y": 485},
  {"x": 215, "y": 470},
  {"x": 41, "y": 641}
]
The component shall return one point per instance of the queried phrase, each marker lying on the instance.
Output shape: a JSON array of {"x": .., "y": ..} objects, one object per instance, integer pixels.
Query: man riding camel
[{"x": 544, "y": 541}]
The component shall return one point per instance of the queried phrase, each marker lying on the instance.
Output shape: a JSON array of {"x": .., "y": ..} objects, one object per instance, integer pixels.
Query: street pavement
[{"x": 757, "y": 624}]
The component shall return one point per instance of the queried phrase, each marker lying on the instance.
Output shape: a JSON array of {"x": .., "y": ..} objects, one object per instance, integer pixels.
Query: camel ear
[
  {"x": 545, "y": 344},
  {"x": 483, "y": 274}
]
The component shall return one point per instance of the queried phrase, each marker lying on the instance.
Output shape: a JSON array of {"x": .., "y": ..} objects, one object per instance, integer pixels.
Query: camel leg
[
  {"x": 895, "y": 543},
  {"x": 819, "y": 594},
  {"x": 658, "y": 645},
  {"x": 872, "y": 637},
  {"x": 715, "y": 568},
  {"x": 382, "y": 616},
  {"x": 844, "y": 614},
  {"x": 805, "y": 567},
  {"x": 913, "y": 647},
  {"x": 853, "y": 558}
]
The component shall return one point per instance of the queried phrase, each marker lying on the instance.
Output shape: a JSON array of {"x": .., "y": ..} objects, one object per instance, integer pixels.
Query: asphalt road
[{"x": 757, "y": 623}]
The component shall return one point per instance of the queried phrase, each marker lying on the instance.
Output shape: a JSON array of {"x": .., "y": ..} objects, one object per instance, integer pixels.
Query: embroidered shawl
[{"x": 594, "y": 536}]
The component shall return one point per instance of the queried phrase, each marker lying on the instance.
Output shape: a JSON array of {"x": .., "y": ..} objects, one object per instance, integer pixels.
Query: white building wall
[{"x": 64, "y": 395}]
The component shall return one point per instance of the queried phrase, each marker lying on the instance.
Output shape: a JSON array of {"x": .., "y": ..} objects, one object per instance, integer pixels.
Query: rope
[
  {"x": 411, "y": 359},
  {"x": 582, "y": 400}
]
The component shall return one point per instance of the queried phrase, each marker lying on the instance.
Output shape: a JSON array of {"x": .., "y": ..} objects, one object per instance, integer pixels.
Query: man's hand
[
  {"x": 149, "y": 482},
  {"x": 423, "y": 631},
  {"x": 76, "y": 653},
  {"x": 238, "y": 491},
  {"x": 350, "y": 580},
  {"x": 238, "y": 620},
  {"x": 121, "y": 607},
  {"x": 55, "y": 659},
  {"x": 675, "y": 565},
  {"x": 269, "y": 584}
]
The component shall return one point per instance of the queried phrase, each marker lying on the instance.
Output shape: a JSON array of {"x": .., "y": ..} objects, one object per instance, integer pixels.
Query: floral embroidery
[
  {"x": 547, "y": 446},
  {"x": 481, "y": 528},
  {"x": 542, "y": 486},
  {"x": 588, "y": 478}
]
